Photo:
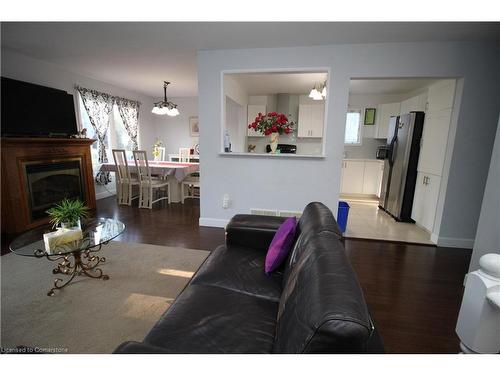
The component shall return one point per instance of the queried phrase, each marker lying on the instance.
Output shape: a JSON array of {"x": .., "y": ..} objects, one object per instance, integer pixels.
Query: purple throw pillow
[{"x": 281, "y": 245}]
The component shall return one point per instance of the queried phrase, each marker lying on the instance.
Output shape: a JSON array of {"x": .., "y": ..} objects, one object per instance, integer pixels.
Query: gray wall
[
  {"x": 290, "y": 183},
  {"x": 488, "y": 228}
]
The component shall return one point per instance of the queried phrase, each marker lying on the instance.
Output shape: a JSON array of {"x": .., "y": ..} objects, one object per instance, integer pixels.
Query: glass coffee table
[{"x": 76, "y": 258}]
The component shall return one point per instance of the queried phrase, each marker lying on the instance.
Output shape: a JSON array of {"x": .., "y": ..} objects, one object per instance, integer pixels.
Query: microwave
[{"x": 382, "y": 152}]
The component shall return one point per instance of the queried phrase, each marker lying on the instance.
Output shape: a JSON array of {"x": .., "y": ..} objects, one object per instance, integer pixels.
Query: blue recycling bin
[{"x": 342, "y": 214}]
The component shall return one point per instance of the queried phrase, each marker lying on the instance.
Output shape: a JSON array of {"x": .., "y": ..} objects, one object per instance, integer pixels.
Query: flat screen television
[{"x": 36, "y": 111}]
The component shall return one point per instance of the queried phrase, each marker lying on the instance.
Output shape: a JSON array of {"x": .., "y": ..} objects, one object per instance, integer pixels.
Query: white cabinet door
[
  {"x": 304, "y": 123},
  {"x": 441, "y": 95},
  {"x": 422, "y": 102},
  {"x": 431, "y": 198},
  {"x": 252, "y": 112},
  {"x": 311, "y": 120},
  {"x": 384, "y": 113},
  {"x": 409, "y": 105},
  {"x": 436, "y": 127},
  {"x": 434, "y": 140},
  {"x": 352, "y": 181},
  {"x": 317, "y": 121},
  {"x": 425, "y": 200},
  {"x": 371, "y": 174}
]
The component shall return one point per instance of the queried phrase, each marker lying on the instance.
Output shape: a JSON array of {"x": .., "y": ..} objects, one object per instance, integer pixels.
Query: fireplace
[
  {"x": 39, "y": 172},
  {"x": 47, "y": 183}
]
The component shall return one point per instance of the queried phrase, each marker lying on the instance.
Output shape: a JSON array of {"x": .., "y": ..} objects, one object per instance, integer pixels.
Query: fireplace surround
[{"x": 38, "y": 172}]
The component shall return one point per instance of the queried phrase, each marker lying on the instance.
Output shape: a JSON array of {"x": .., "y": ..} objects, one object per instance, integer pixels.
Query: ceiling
[
  {"x": 278, "y": 83},
  {"x": 139, "y": 56},
  {"x": 391, "y": 86}
]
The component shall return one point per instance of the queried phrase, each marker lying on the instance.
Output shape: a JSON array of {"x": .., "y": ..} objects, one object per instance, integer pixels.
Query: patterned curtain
[
  {"x": 129, "y": 112},
  {"x": 99, "y": 106}
]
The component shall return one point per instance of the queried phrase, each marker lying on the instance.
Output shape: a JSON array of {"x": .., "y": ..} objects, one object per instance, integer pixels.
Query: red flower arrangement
[{"x": 273, "y": 122}]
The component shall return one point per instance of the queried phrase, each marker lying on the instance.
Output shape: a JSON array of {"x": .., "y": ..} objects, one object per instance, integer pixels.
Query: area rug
[{"x": 92, "y": 315}]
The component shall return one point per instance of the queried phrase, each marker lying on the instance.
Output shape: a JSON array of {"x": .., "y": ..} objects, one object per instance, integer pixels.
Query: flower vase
[{"x": 274, "y": 142}]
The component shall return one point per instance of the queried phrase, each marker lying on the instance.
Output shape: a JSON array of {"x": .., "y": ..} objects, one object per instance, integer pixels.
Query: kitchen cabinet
[
  {"x": 384, "y": 113},
  {"x": 361, "y": 177},
  {"x": 441, "y": 96},
  {"x": 352, "y": 177},
  {"x": 415, "y": 103},
  {"x": 436, "y": 127},
  {"x": 371, "y": 178},
  {"x": 311, "y": 120},
  {"x": 425, "y": 200},
  {"x": 252, "y": 112}
]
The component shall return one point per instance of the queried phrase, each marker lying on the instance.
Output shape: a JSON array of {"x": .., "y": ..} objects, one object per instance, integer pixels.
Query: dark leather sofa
[{"x": 313, "y": 304}]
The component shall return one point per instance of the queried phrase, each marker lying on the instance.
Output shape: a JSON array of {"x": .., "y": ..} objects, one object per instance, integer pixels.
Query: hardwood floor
[
  {"x": 169, "y": 225},
  {"x": 414, "y": 292}
]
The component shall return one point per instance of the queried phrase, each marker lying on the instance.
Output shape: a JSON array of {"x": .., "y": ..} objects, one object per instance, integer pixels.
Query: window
[
  {"x": 116, "y": 136},
  {"x": 353, "y": 128}
]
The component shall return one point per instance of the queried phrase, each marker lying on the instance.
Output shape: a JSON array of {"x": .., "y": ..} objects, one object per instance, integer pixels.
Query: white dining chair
[
  {"x": 184, "y": 154},
  {"x": 190, "y": 186},
  {"x": 148, "y": 185},
  {"x": 124, "y": 181}
]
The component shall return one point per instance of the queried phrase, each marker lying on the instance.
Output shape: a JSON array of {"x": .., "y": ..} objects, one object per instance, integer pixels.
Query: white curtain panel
[{"x": 129, "y": 112}]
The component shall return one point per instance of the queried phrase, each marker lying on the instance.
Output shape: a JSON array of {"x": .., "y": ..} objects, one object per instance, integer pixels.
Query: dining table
[
  {"x": 173, "y": 171},
  {"x": 163, "y": 168}
]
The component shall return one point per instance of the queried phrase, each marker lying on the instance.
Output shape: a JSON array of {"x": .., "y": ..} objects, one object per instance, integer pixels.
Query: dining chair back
[
  {"x": 184, "y": 154},
  {"x": 148, "y": 185},
  {"x": 142, "y": 165},
  {"x": 124, "y": 179}
]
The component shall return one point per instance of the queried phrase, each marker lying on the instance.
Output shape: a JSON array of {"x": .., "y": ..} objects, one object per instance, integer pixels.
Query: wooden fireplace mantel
[{"x": 16, "y": 152}]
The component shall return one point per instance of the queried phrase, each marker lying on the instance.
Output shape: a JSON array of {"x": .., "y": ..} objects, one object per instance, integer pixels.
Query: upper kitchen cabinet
[
  {"x": 384, "y": 113},
  {"x": 436, "y": 127},
  {"x": 311, "y": 120},
  {"x": 415, "y": 103}
]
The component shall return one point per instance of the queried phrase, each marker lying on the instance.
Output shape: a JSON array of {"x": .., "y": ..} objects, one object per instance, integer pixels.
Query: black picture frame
[{"x": 370, "y": 116}]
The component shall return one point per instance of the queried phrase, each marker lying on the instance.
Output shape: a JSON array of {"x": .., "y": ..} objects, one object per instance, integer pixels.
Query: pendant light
[
  {"x": 318, "y": 92},
  {"x": 165, "y": 107}
]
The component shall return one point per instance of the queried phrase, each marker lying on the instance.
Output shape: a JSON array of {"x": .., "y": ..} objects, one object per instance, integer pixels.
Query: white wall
[
  {"x": 23, "y": 68},
  {"x": 488, "y": 228},
  {"x": 174, "y": 131},
  {"x": 290, "y": 183}
]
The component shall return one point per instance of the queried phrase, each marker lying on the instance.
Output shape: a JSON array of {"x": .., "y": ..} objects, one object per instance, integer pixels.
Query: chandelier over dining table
[{"x": 165, "y": 107}]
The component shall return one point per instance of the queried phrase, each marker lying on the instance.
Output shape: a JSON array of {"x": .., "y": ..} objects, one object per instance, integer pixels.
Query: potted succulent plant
[{"x": 68, "y": 213}]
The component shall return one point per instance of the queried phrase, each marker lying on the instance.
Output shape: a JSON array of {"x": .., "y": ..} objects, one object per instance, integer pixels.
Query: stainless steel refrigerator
[{"x": 400, "y": 167}]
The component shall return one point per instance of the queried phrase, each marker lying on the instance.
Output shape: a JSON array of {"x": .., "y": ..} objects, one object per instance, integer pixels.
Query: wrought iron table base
[{"x": 84, "y": 263}]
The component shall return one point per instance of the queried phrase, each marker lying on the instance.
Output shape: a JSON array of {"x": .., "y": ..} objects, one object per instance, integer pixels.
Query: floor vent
[
  {"x": 263, "y": 211},
  {"x": 285, "y": 213}
]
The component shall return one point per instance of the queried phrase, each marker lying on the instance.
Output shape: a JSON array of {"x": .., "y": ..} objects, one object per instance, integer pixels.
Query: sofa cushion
[
  {"x": 322, "y": 308},
  {"x": 316, "y": 220},
  {"x": 240, "y": 269},
  {"x": 209, "y": 319},
  {"x": 256, "y": 231},
  {"x": 280, "y": 245}
]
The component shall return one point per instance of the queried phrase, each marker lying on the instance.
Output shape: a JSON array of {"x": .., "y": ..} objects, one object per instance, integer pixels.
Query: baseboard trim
[
  {"x": 210, "y": 222},
  {"x": 463, "y": 243}
]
